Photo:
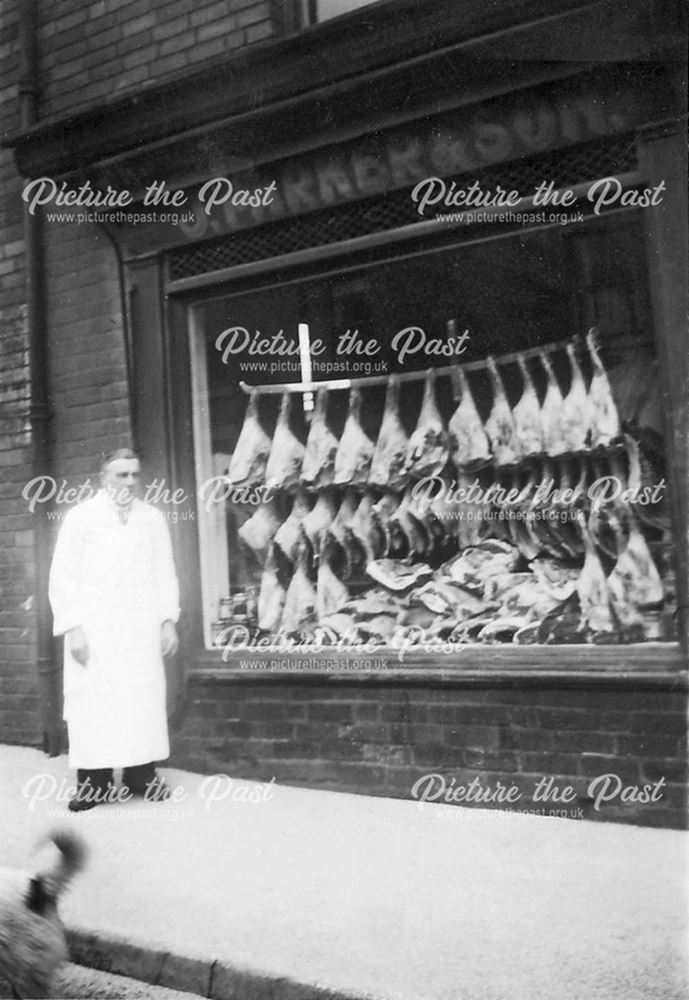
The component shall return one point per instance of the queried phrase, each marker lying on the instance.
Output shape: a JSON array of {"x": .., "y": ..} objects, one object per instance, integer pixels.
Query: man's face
[{"x": 120, "y": 478}]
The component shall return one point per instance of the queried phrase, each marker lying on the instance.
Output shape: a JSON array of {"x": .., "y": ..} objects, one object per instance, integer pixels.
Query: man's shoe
[
  {"x": 89, "y": 796},
  {"x": 77, "y": 805},
  {"x": 156, "y": 790}
]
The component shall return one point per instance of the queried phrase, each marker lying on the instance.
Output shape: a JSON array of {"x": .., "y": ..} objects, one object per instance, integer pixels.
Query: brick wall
[
  {"x": 86, "y": 342},
  {"x": 92, "y": 50},
  {"x": 19, "y": 701},
  {"x": 382, "y": 737}
]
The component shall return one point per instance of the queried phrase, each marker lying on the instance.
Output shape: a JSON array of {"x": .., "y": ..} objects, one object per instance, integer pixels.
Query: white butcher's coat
[{"x": 118, "y": 582}]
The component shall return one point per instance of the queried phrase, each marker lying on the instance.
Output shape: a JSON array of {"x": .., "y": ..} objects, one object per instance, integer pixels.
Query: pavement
[
  {"x": 243, "y": 891},
  {"x": 80, "y": 983}
]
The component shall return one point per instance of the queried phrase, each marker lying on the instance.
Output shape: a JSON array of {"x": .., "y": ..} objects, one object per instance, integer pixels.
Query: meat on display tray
[{"x": 533, "y": 525}]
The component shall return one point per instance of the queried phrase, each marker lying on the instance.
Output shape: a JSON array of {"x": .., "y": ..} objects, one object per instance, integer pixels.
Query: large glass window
[{"x": 516, "y": 495}]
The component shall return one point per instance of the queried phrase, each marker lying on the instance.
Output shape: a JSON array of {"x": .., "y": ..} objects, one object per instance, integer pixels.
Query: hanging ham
[
  {"x": 634, "y": 582},
  {"x": 318, "y": 468},
  {"x": 287, "y": 452},
  {"x": 248, "y": 462},
  {"x": 500, "y": 426},
  {"x": 362, "y": 527},
  {"x": 429, "y": 446},
  {"x": 402, "y": 523},
  {"x": 260, "y": 529},
  {"x": 331, "y": 593},
  {"x": 383, "y": 510},
  {"x": 592, "y": 588},
  {"x": 338, "y": 529},
  {"x": 355, "y": 450},
  {"x": 300, "y": 601},
  {"x": 271, "y": 595},
  {"x": 387, "y": 465},
  {"x": 527, "y": 414},
  {"x": 468, "y": 440},
  {"x": 576, "y": 408},
  {"x": 318, "y": 520},
  {"x": 552, "y": 410},
  {"x": 605, "y": 421},
  {"x": 287, "y": 535}
]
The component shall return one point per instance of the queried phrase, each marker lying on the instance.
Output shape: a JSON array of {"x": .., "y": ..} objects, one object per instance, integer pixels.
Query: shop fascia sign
[{"x": 463, "y": 142}]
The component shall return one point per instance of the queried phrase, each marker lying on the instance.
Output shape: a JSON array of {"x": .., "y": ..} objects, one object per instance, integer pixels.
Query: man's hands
[
  {"x": 78, "y": 646},
  {"x": 168, "y": 638}
]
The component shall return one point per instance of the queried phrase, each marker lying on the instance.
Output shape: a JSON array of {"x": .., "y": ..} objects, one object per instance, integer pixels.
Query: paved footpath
[
  {"x": 308, "y": 895},
  {"x": 76, "y": 982}
]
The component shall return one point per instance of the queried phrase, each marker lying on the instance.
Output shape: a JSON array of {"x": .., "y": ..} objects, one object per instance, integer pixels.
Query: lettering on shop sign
[{"x": 466, "y": 140}]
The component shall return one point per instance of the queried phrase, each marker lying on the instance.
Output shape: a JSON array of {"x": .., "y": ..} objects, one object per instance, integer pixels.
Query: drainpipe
[{"x": 39, "y": 412}]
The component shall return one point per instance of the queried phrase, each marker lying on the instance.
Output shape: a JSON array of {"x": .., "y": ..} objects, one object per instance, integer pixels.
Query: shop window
[{"x": 506, "y": 486}]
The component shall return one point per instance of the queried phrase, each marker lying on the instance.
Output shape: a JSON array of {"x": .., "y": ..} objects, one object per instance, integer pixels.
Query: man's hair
[{"x": 119, "y": 453}]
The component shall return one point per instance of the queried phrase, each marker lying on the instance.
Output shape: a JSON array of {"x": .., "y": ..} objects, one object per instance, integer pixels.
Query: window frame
[{"x": 647, "y": 658}]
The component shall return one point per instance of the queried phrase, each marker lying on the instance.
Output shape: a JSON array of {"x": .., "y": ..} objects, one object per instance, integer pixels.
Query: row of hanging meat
[
  {"x": 586, "y": 573},
  {"x": 583, "y": 418},
  {"x": 486, "y": 593}
]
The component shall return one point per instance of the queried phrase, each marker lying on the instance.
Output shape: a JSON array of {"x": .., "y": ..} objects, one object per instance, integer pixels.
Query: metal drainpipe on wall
[{"x": 40, "y": 411}]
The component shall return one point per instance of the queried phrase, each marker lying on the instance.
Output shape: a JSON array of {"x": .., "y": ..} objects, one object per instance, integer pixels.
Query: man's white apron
[{"x": 118, "y": 582}]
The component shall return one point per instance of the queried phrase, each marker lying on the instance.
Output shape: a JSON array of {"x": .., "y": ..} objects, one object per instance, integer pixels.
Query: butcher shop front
[
  {"x": 428, "y": 418},
  {"x": 408, "y": 378}
]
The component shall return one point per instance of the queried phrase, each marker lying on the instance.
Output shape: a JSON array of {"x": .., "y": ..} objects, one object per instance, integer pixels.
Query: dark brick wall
[
  {"x": 19, "y": 701},
  {"x": 92, "y": 50},
  {"x": 88, "y": 371},
  {"x": 381, "y": 737}
]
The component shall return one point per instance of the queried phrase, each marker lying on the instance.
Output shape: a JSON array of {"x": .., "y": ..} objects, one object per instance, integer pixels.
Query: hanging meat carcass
[
  {"x": 338, "y": 529},
  {"x": 468, "y": 441},
  {"x": 287, "y": 452},
  {"x": 271, "y": 595},
  {"x": 331, "y": 593},
  {"x": 634, "y": 582},
  {"x": 249, "y": 458},
  {"x": 300, "y": 601},
  {"x": 318, "y": 520},
  {"x": 576, "y": 408},
  {"x": 362, "y": 527},
  {"x": 318, "y": 468},
  {"x": 429, "y": 446},
  {"x": 287, "y": 535},
  {"x": 383, "y": 509},
  {"x": 592, "y": 588},
  {"x": 355, "y": 450},
  {"x": 414, "y": 536},
  {"x": 605, "y": 421},
  {"x": 421, "y": 508},
  {"x": 389, "y": 456},
  {"x": 500, "y": 426},
  {"x": 527, "y": 414},
  {"x": 552, "y": 411},
  {"x": 259, "y": 531}
]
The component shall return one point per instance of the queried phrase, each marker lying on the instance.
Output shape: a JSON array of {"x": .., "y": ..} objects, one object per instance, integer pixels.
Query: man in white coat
[{"x": 114, "y": 595}]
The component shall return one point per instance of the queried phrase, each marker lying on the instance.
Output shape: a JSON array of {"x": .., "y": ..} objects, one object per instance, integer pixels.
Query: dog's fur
[{"x": 32, "y": 939}]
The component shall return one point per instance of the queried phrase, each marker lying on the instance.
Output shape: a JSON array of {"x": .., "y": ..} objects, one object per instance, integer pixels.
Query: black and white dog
[{"x": 32, "y": 939}]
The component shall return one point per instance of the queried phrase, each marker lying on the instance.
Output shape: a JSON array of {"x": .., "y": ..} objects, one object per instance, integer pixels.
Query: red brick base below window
[{"x": 381, "y": 737}]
